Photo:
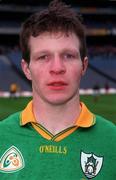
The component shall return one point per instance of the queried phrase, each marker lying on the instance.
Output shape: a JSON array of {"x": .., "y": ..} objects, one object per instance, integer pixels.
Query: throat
[
  {"x": 57, "y": 127},
  {"x": 56, "y": 119},
  {"x": 56, "y": 123}
]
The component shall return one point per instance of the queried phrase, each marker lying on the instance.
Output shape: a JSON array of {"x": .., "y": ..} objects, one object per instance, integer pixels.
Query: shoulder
[
  {"x": 11, "y": 121},
  {"x": 105, "y": 123},
  {"x": 105, "y": 127}
]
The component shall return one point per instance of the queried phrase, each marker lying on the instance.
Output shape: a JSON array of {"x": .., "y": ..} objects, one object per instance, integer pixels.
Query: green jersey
[{"x": 84, "y": 151}]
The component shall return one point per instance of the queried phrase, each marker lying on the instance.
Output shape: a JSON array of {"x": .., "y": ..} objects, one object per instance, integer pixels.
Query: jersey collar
[{"x": 86, "y": 118}]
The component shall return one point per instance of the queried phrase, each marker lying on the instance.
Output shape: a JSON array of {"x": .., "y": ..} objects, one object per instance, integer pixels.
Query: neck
[{"x": 56, "y": 118}]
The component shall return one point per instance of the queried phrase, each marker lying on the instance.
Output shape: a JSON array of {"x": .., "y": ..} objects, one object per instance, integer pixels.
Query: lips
[{"x": 57, "y": 85}]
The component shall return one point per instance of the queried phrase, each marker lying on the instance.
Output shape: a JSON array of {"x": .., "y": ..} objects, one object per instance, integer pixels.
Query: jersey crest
[
  {"x": 91, "y": 164},
  {"x": 11, "y": 161}
]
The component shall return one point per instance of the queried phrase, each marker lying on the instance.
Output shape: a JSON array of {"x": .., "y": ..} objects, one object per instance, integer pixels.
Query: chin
[{"x": 59, "y": 101}]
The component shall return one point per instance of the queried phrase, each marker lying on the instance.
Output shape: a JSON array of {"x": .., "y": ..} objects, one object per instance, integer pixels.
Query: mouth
[{"x": 57, "y": 85}]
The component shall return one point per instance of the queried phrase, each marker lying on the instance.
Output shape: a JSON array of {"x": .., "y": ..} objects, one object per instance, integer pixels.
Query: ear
[
  {"x": 25, "y": 68},
  {"x": 84, "y": 65}
]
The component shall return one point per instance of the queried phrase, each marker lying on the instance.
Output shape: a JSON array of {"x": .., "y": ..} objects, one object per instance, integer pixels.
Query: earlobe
[
  {"x": 84, "y": 65},
  {"x": 25, "y": 68}
]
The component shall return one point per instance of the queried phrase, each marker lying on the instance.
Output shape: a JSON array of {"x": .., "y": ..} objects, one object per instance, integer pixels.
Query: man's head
[{"x": 58, "y": 17}]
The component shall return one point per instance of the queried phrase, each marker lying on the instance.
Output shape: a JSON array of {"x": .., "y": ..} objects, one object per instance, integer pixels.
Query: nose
[{"x": 57, "y": 66}]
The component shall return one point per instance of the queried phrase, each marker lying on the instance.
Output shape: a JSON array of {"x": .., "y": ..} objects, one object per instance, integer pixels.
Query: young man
[{"x": 56, "y": 137}]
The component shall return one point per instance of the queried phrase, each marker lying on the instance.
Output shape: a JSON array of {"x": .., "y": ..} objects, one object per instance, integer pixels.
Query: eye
[
  {"x": 43, "y": 57},
  {"x": 69, "y": 56}
]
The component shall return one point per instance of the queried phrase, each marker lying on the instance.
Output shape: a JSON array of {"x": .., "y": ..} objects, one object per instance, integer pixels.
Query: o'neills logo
[
  {"x": 11, "y": 161},
  {"x": 53, "y": 149}
]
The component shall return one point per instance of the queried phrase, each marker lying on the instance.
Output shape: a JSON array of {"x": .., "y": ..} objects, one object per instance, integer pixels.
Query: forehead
[{"x": 53, "y": 41}]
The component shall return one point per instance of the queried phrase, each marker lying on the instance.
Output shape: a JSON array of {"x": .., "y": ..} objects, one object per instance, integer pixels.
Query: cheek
[
  {"x": 35, "y": 71},
  {"x": 38, "y": 77},
  {"x": 76, "y": 75}
]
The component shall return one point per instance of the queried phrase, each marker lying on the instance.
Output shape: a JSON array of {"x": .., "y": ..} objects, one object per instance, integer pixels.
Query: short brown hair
[{"x": 58, "y": 17}]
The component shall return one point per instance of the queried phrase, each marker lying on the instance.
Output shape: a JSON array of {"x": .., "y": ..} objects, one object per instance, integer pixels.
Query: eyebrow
[
  {"x": 74, "y": 51},
  {"x": 70, "y": 50},
  {"x": 44, "y": 51},
  {"x": 40, "y": 52}
]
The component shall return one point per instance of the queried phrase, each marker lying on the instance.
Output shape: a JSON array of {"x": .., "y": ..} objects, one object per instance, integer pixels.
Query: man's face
[{"x": 55, "y": 67}]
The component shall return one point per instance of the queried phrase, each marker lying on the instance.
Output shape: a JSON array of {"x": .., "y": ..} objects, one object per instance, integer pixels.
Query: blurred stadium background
[{"x": 100, "y": 19}]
